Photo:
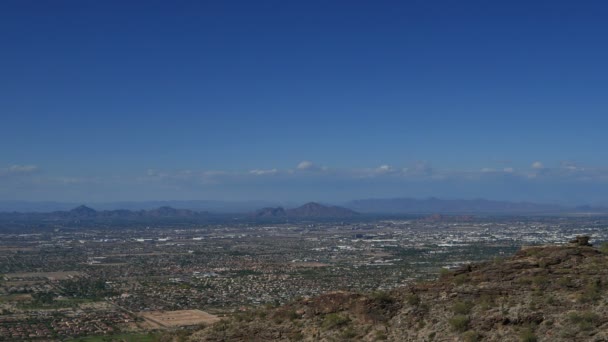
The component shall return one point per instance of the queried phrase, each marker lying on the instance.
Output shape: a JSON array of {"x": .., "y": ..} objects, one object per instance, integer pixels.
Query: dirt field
[
  {"x": 179, "y": 318},
  {"x": 47, "y": 275},
  {"x": 308, "y": 264}
]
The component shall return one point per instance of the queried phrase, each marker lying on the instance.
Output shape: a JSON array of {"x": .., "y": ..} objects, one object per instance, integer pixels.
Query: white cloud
[
  {"x": 384, "y": 169},
  {"x": 537, "y": 165},
  {"x": 22, "y": 168},
  {"x": 508, "y": 170},
  {"x": 18, "y": 170},
  {"x": 155, "y": 173},
  {"x": 306, "y": 165},
  {"x": 488, "y": 169},
  {"x": 212, "y": 173},
  {"x": 258, "y": 172},
  {"x": 566, "y": 165},
  {"x": 420, "y": 168}
]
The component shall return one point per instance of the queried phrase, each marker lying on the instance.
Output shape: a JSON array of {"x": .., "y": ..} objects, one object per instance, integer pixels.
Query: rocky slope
[{"x": 548, "y": 293}]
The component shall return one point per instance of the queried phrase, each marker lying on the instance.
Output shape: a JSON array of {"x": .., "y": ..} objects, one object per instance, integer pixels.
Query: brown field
[
  {"x": 309, "y": 264},
  {"x": 179, "y": 318},
  {"x": 16, "y": 298},
  {"x": 15, "y": 249},
  {"x": 47, "y": 275}
]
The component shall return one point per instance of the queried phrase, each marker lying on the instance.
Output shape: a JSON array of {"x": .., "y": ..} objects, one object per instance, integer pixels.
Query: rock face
[
  {"x": 581, "y": 241},
  {"x": 547, "y": 293}
]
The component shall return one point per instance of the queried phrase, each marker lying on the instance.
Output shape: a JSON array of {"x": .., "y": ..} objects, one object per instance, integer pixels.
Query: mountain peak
[
  {"x": 308, "y": 210},
  {"x": 313, "y": 205},
  {"x": 83, "y": 210}
]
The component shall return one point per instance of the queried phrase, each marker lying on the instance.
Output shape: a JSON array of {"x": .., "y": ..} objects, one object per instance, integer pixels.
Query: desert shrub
[
  {"x": 459, "y": 323},
  {"x": 292, "y": 315},
  {"x": 462, "y": 308},
  {"x": 413, "y": 299},
  {"x": 525, "y": 280},
  {"x": 349, "y": 333},
  {"x": 383, "y": 297},
  {"x": 444, "y": 272},
  {"x": 565, "y": 282},
  {"x": 527, "y": 335},
  {"x": 334, "y": 320},
  {"x": 534, "y": 305},
  {"x": 296, "y": 336},
  {"x": 460, "y": 279},
  {"x": 591, "y": 293},
  {"x": 380, "y": 335},
  {"x": 604, "y": 248},
  {"x": 487, "y": 302},
  {"x": 540, "y": 280},
  {"x": 244, "y": 316},
  {"x": 585, "y": 320},
  {"x": 470, "y": 336},
  {"x": 534, "y": 251},
  {"x": 220, "y": 326}
]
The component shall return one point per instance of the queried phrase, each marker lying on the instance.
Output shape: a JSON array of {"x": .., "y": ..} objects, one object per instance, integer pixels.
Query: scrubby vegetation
[{"x": 552, "y": 293}]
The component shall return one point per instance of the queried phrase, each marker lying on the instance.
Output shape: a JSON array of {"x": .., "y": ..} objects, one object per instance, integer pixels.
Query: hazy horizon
[{"x": 243, "y": 206}]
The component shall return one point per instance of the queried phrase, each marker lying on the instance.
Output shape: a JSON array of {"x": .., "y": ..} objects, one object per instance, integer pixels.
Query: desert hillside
[{"x": 545, "y": 293}]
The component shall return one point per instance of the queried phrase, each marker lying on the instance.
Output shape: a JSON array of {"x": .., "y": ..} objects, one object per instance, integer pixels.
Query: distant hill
[
  {"x": 308, "y": 210},
  {"x": 542, "y": 293},
  {"x": 86, "y": 213},
  {"x": 16, "y": 210},
  {"x": 436, "y": 205},
  {"x": 270, "y": 213},
  {"x": 313, "y": 209},
  {"x": 195, "y": 205},
  {"x": 83, "y": 211}
]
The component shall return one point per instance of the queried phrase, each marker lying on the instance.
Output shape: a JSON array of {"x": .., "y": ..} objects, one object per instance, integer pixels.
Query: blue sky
[{"x": 286, "y": 100}]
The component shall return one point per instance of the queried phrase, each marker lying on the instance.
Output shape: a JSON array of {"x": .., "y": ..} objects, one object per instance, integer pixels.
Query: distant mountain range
[
  {"x": 250, "y": 210},
  {"x": 308, "y": 210},
  {"x": 194, "y": 205},
  {"x": 85, "y": 213}
]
